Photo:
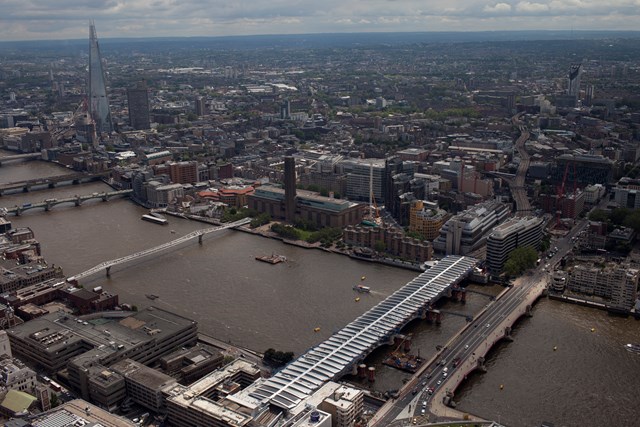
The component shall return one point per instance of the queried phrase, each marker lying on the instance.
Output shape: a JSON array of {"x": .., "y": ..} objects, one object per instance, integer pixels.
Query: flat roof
[{"x": 104, "y": 331}]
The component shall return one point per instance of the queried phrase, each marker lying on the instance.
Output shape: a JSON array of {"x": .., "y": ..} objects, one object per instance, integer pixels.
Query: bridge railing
[{"x": 155, "y": 249}]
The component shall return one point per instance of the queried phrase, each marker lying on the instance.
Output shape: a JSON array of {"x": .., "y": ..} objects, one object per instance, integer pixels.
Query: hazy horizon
[{"x": 31, "y": 20}]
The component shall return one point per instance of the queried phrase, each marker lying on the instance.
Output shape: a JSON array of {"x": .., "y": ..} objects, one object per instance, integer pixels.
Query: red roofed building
[{"x": 232, "y": 196}]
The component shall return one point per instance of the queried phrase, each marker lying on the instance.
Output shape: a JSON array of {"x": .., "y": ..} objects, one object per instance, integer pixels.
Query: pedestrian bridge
[
  {"x": 106, "y": 266},
  {"x": 346, "y": 348}
]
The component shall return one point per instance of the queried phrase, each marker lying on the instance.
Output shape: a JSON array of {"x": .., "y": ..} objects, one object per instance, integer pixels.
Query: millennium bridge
[
  {"x": 343, "y": 351},
  {"x": 106, "y": 265}
]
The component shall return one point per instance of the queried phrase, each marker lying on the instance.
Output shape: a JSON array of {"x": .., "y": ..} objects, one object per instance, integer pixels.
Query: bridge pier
[
  {"x": 463, "y": 296},
  {"x": 47, "y": 207},
  {"x": 52, "y": 185},
  {"x": 18, "y": 211},
  {"x": 480, "y": 364},
  {"x": 527, "y": 311},
  {"x": 507, "y": 334},
  {"x": 75, "y": 182},
  {"x": 447, "y": 399},
  {"x": 200, "y": 238},
  {"x": 105, "y": 198},
  {"x": 78, "y": 201},
  {"x": 25, "y": 189},
  {"x": 108, "y": 271}
]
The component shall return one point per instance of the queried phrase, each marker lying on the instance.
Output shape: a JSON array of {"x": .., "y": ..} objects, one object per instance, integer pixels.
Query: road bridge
[
  {"x": 51, "y": 182},
  {"x": 76, "y": 200},
  {"x": 16, "y": 157},
  {"x": 106, "y": 266},
  {"x": 345, "y": 349}
]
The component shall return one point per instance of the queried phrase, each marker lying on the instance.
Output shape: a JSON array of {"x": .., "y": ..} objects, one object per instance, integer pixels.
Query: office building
[
  {"x": 138, "y": 101},
  {"x": 107, "y": 388},
  {"x": 583, "y": 169},
  {"x": 98, "y": 101},
  {"x": 289, "y": 188},
  {"x": 615, "y": 283},
  {"x": 58, "y": 340},
  {"x": 183, "y": 172},
  {"x": 468, "y": 230},
  {"x": 593, "y": 193},
  {"x": 511, "y": 234},
  {"x": 144, "y": 385},
  {"x": 627, "y": 193},
  {"x": 364, "y": 176},
  {"x": 79, "y": 412},
  {"x": 426, "y": 219},
  {"x": 14, "y": 375},
  {"x": 212, "y": 400},
  {"x": 344, "y": 405}
]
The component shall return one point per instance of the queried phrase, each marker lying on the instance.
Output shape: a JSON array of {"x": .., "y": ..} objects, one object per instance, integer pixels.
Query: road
[
  {"x": 471, "y": 344},
  {"x": 518, "y": 189}
]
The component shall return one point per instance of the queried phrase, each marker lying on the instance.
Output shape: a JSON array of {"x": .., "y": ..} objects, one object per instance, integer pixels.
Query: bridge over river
[
  {"x": 76, "y": 200},
  {"x": 345, "y": 349},
  {"x": 106, "y": 266}
]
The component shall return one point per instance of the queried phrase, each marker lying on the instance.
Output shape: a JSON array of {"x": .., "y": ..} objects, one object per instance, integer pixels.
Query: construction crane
[
  {"x": 561, "y": 187},
  {"x": 561, "y": 195}
]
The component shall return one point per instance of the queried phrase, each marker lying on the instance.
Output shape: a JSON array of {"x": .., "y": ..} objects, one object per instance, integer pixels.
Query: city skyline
[{"x": 36, "y": 20}]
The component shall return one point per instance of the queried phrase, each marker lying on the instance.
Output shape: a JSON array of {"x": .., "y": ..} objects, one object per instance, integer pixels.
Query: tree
[
  {"x": 520, "y": 259},
  {"x": 54, "y": 400},
  {"x": 379, "y": 246},
  {"x": 598, "y": 215},
  {"x": 633, "y": 221}
]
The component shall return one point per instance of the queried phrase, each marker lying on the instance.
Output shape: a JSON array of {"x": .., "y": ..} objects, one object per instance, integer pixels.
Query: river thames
[{"x": 590, "y": 380}]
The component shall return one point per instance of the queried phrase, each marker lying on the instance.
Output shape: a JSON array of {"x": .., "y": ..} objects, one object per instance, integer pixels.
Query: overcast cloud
[{"x": 68, "y": 19}]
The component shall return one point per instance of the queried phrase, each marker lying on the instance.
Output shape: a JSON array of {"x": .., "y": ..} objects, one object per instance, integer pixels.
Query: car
[
  {"x": 424, "y": 384},
  {"x": 439, "y": 382},
  {"x": 424, "y": 403},
  {"x": 422, "y": 411},
  {"x": 466, "y": 346},
  {"x": 430, "y": 390},
  {"x": 445, "y": 375}
]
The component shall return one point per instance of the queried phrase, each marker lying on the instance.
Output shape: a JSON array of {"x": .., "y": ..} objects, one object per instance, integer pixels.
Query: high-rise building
[
  {"x": 98, "y": 101},
  {"x": 285, "y": 110},
  {"x": 573, "y": 88},
  {"x": 138, "y": 99},
  {"x": 200, "y": 106},
  {"x": 290, "y": 188}
]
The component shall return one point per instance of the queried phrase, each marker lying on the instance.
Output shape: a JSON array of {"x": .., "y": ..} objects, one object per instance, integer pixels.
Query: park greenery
[
  {"x": 307, "y": 231},
  {"x": 520, "y": 260}
]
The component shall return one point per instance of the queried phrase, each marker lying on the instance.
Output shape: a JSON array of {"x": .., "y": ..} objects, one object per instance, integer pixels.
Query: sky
[{"x": 68, "y": 19}]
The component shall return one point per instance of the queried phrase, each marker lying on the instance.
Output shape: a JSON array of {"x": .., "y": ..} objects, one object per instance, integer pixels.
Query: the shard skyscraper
[{"x": 98, "y": 102}]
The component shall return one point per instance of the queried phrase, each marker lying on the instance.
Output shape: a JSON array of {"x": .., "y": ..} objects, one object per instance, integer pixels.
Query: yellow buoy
[
  {"x": 358, "y": 299},
  {"x": 501, "y": 386},
  {"x": 316, "y": 329},
  {"x": 593, "y": 329},
  {"x": 362, "y": 278}
]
